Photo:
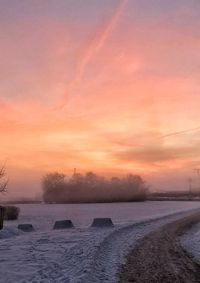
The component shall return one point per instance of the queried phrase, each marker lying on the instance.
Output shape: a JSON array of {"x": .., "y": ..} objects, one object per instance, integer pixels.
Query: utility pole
[
  {"x": 74, "y": 171},
  {"x": 197, "y": 171},
  {"x": 190, "y": 186}
]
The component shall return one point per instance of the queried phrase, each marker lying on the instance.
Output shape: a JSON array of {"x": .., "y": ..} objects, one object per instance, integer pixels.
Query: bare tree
[{"x": 3, "y": 180}]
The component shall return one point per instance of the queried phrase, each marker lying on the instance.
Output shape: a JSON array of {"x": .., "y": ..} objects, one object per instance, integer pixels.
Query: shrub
[{"x": 11, "y": 213}]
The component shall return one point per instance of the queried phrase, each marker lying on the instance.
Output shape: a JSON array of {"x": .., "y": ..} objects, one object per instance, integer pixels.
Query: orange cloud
[{"x": 125, "y": 112}]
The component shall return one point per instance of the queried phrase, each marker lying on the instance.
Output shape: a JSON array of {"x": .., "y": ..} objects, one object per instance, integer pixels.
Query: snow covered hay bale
[
  {"x": 63, "y": 224},
  {"x": 26, "y": 227},
  {"x": 102, "y": 222}
]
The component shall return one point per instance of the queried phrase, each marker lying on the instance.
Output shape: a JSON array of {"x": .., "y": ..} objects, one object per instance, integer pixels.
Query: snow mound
[{"x": 9, "y": 232}]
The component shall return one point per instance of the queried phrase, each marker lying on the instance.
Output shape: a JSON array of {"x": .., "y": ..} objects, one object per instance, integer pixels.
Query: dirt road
[{"x": 159, "y": 257}]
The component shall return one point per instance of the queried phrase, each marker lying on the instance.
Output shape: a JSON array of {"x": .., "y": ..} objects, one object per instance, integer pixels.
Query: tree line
[{"x": 90, "y": 187}]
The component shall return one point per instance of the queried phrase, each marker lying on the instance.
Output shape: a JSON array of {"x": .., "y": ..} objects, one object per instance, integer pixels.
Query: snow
[
  {"x": 191, "y": 242},
  {"x": 9, "y": 232},
  {"x": 81, "y": 254}
]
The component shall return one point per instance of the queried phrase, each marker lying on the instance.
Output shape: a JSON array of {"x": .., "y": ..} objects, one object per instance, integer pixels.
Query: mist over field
[{"x": 92, "y": 188}]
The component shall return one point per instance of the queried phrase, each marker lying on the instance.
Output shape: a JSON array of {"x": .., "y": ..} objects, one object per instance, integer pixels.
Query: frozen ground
[
  {"x": 43, "y": 216},
  {"x": 191, "y": 242},
  {"x": 82, "y": 254}
]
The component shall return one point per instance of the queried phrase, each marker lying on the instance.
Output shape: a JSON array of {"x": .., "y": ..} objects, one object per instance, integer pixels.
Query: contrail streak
[
  {"x": 181, "y": 132},
  {"x": 94, "y": 47},
  {"x": 98, "y": 42}
]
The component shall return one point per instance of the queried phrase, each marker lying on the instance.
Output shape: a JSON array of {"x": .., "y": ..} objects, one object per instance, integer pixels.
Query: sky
[{"x": 111, "y": 86}]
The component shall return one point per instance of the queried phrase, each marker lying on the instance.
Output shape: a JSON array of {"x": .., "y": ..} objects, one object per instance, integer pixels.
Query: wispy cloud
[
  {"x": 132, "y": 98},
  {"x": 94, "y": 46},
  {"x": 98, "y": 42},
  {"x": 162, "y": 154}
]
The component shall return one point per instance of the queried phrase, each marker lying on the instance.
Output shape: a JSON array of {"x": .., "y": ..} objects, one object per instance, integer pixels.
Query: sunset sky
[{"x": 100, "y": 85}]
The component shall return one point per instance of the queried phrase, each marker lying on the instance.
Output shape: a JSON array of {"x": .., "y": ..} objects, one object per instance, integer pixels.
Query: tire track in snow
[
  {"x": 112, "y": 251},
  {"x": 79, "y": 255}
]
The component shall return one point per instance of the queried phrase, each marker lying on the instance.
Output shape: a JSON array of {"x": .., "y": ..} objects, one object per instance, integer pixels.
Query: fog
[{"x": 78, "y": 188}]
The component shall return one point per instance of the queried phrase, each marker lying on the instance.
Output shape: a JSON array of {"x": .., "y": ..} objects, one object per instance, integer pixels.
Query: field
[{"x": 81, "y": 254}]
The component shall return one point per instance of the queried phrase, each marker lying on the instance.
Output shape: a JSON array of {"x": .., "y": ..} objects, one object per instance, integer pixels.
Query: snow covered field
[{"x": 82, "y": 254}]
